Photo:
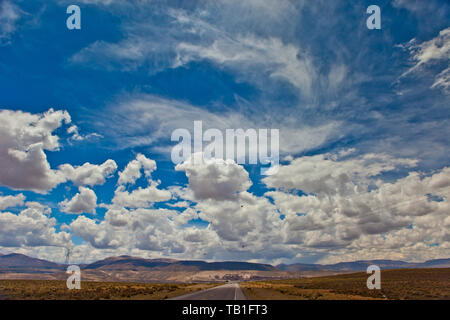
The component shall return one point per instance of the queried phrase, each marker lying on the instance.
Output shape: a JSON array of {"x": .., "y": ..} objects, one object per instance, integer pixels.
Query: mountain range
[
  {"x": 127, "y": 268},
  {"x": 133, "y": 263},
  {"x": 362, "y": 265}
]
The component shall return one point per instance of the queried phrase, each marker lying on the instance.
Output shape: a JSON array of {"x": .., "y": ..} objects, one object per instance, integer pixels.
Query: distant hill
[
  {"x": 127, "y": 268},
  {"x": 132, "y": 263},
  {"x": 19, "y": 263},
  {"x": 363, "y": 264},
  {"x": 127, "y": 262}
]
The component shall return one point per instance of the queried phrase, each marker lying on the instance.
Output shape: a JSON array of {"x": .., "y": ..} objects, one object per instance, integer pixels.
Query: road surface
[{"x": 229, "y": 291}]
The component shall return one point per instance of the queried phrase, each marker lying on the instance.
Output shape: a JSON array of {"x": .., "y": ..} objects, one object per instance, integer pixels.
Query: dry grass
[
  {"x": 404, "y": 284},
  {"x": 57, "y": 290}
]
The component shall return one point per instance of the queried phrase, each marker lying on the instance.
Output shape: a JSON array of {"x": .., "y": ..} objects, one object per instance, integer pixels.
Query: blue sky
[{"x": 363, "y": 118}]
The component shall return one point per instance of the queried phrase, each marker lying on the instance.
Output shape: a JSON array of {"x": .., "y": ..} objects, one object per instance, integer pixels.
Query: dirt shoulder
[{"x": 402, "y": 284}]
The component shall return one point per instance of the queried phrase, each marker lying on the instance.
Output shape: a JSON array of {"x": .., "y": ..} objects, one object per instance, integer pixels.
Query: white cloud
[
  {"x": 31, "y": 227},
  {"x": 147, "y": 120},
  {"x": 248, "y": 54},
  {"x": 180, "y": 204},
  {"x": 95, "y": 234},
  {"x": 327, "y": 174},
  {"x": 89, "y": 174},
  {"x": 9, "y": 16},
  {"x": 11, "y": 201},
  {"x": 214, "y": 178},
  {"x": 443, "y": 80},
  {"x": 356, "y": 214},
  {"x": 242, "y": 224},
  {"x": 350, "y": 212},
  {"x": 39, "y": 206},
  {"x": 294, "y": 140},
  {"x": 132, "y": 171},
  {"x": 25, "y": 136},
  {"x": 141, "y": 229},
  {"x": 83, "y": 202},
  {"x": 246, "y": 223},
  {"x": 73, "y": 130},
  {"x": 265, "y": 55},
  {"x": 129, "y": 53},
  {"x": 436, "y": 50},
  {"x": 140, "y": 197}
]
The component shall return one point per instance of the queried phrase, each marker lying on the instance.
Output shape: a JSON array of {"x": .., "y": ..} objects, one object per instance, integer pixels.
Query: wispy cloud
[
  {"x": 9, "y": 16},
  {"x": 434, "y": 50},
  {"x": 147, "y": 120}
]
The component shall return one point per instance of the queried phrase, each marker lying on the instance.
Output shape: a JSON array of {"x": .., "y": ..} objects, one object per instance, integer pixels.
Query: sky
[{"x": 86, "y": 118}]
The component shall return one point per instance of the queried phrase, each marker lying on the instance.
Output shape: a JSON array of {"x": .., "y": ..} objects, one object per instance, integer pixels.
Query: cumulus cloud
[
  {"x": 179, "y": 204},
  {"x": 143, "y": 229},
  {"x": 160, "y": 230},
  {"x": 140, "y": 197},
  {"x": 31, "y": 227},
  {"x": 214, "y": 178},
  {"x": 39, "y": 206},
  {"x": 132, "y": 171},
  {"x": 83, "y": 202},
  {"x": 247, "y": 223},
  {"x": 11, "y": 201},
  {"x": 25, "y": 136},
  {"x": 240, "y": 223},
  {"x": 73, "y": 130},
  {"x": 92, "y": 232},
  {"x": 350, "y": 209},
  {"x": 89, "y": 174},
  {"x": 326, "y": 174}
]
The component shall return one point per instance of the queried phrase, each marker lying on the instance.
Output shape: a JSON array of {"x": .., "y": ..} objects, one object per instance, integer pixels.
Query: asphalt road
[{"x": 229, "y": 291}]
